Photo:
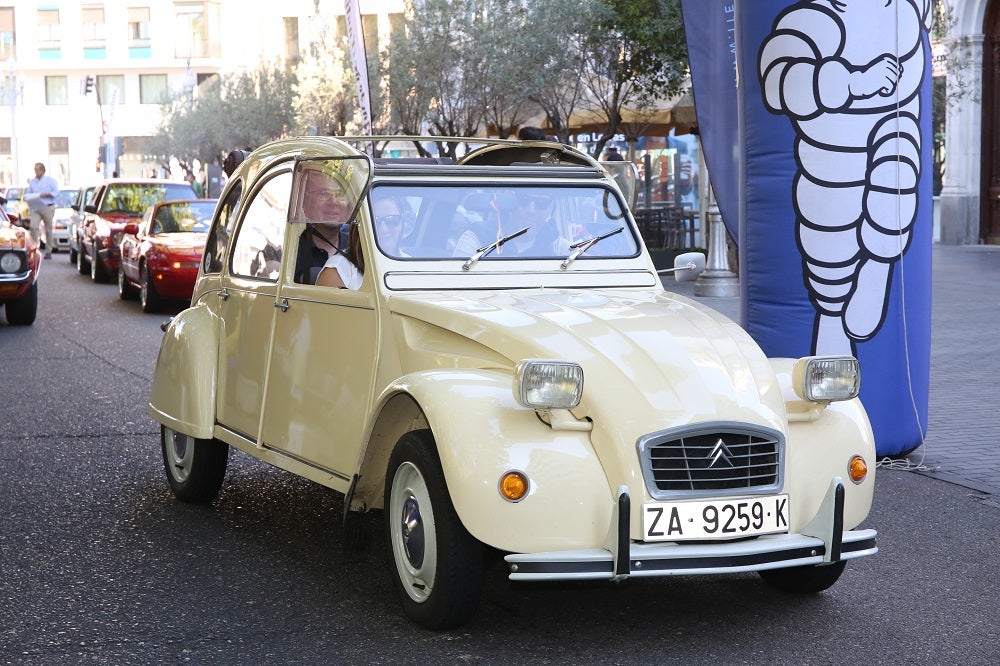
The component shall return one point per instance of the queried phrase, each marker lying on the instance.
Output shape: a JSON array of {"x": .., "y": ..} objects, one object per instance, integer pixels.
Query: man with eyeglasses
[{"x": 326, "y": 207}]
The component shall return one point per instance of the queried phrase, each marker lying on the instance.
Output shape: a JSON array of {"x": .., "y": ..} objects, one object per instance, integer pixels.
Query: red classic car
[
  {"x": 20, "y": 259},
  {"x": 160, "y": 254},
  {"x": 116, "y": 203}
]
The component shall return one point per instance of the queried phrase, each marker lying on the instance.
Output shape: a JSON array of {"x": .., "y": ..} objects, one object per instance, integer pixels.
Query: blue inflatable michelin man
[{"x": 835, "y": 207}]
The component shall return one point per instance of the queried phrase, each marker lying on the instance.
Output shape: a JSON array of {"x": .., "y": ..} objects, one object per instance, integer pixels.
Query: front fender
[
  {"x": 184, "y": 383},
  {"x": 821, "y": 442},
  {"x": 481, "y": 432}
]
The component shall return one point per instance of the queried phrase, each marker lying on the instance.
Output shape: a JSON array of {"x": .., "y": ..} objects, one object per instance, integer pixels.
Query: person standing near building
[{"x": 41, "y": 199}]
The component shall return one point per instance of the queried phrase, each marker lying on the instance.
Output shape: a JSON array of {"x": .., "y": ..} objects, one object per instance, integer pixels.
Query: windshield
[
  {"x": 135, "y": 198},
  {"x": 65, "y": 198},
  {"x": 183, "y": 217},
  {"x": 459, "y": 221}
]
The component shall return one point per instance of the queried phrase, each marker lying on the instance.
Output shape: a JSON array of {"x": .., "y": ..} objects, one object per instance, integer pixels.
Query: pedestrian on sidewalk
[{"x": 41, "y": 199}]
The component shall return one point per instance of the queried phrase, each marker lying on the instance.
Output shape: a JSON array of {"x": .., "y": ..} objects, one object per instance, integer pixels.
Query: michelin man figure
[{"x": 848, "y": 74}]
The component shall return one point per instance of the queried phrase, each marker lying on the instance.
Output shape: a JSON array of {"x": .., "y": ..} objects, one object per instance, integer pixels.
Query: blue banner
[
  {"x": 710, "y": 29},
  {"x": 835, "y": 193}
]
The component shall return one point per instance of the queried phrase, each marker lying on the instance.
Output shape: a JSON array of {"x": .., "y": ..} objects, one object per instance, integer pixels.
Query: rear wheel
[
  {"x": 804, "y": 580},
  {"x": 97, "y": 272},
  {"x": 438, "y": 565},
  {"x": 22, "y": 311},
  {"x": 72, "y": 255},
  {"x": 125, "y": 290},
  {"x": 195, "y": 467},
  {"x": 81, "y": 262},
  {"x": 148, "y": 297}
]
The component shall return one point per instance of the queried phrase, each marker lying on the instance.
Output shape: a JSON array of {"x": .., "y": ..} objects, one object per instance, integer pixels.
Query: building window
[
  {"x": 58, "y": 145},
  {"x": 6, "y": 33},
  {"x": 138, "y": 26},
  {"x": 5, "y": 146},
  {"x": 93, "y": 29},
  {"x": 197, "y": 30},
  {"x": 56, "y": 91},
  {"x": 49, "y": 33},
  {"x": 111, "y": 89},
  {"x": 153, "y": 89}
]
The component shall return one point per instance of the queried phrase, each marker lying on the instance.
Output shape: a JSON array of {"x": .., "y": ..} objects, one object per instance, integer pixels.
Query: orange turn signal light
[
  {"x": 857, "y": 468},
  {"x": 513, "y": 486}
]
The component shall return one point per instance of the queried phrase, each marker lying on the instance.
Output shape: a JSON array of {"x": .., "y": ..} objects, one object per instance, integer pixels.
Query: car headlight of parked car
[
  {"x": 827, "y": 378},
  {"x": 13, "y": 262},
  {"x": 544, "y": 384}
]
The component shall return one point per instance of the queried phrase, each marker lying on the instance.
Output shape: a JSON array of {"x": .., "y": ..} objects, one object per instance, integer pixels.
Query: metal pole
[{"x": 717, "y": 280}]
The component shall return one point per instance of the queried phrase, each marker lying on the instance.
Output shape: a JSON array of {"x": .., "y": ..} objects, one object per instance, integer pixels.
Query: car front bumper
[{"x": 825, "y": 542}]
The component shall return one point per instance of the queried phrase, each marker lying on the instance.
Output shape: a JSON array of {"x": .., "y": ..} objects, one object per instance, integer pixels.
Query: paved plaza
[{"x": 962, "y": 444}]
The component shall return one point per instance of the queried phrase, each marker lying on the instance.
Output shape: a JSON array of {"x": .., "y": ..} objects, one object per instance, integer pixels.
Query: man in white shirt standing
[{"x": 41, "y": 199}]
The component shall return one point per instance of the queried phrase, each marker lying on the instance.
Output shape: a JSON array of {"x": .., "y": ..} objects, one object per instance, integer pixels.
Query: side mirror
[
  {"x": 90, "y": 208},
  {"x": 132, "y": 228},
  {"x": 687, "y": 266}
]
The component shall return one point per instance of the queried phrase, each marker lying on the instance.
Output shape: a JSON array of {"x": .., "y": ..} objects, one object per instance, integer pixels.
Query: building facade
[
  {"x": 83, "y": 81},
  {"x": 969, "y": 202}
]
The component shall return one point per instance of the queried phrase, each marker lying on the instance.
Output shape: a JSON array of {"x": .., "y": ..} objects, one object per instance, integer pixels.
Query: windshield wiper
[
  {"x": 486, "y": 249},
  {"x": 584, "y": 245}
]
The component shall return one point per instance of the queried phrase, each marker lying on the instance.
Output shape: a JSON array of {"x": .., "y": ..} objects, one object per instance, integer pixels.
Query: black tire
[
  {"x": 81, "y": 263},
  {"x": 195, "y": 467},
  {"x": 125, "y": 290},
  {"x": 22, "y": 311},
  {"x": 804, "y": 580},
  {"x": 72, "y": 255},
  {"x": 437, "y": 565},
  {"x": 148, "y": 297}
]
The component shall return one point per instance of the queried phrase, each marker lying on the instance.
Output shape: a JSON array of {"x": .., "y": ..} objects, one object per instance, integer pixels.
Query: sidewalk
[{"x": 962, "y": 445}]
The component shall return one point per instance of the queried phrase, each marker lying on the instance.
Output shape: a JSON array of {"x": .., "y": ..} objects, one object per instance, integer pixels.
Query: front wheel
[
  {"x": 195, "y": 467},
  {"x": 804, "y": 580},
  {"x": 438, "y": 565},
  {"x": 22, "y": 311},
  {"x": 97, "y": 272}
]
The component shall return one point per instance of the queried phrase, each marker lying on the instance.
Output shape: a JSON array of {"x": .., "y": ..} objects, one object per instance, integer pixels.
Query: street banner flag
[
  {"x": 710, "y": 27},
  {"x": 359, "y": 61}
]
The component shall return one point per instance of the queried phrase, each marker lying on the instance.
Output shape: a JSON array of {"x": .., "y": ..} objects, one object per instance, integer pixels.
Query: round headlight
[{"x": 10, "y": 262}]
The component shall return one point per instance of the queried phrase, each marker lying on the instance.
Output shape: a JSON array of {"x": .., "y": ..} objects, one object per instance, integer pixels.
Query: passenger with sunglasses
[{"x": 388, "y": 213}]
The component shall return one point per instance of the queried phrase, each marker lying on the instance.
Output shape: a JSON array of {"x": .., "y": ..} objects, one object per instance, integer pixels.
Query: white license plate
[{"x": 714, "y": 519}]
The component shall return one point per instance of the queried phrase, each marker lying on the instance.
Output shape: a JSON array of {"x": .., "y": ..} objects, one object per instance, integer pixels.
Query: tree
[
  {"x": 239, "y": 110},
  {"x": 635, "y": 53},
  {"x": 326, "y": 100}
]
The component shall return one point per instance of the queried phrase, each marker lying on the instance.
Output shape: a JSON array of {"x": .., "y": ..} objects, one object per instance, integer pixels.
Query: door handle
[
  {"x": 282, "y": 303},
  {"x": 224, "y": 294}
]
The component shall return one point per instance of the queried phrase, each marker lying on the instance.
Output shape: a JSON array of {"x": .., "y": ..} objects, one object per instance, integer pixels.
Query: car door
[
  {"x": 323, "y": 358},
  {"x": 245, "y": 303}
]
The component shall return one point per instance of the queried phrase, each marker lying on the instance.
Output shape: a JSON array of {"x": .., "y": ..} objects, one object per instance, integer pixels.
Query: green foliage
[
  {"x": 243, "y": 109},
  {"x": 454, "y": 68}
]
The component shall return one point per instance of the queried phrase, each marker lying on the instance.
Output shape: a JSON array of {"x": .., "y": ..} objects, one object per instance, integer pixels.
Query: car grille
[{"x": 722, "y": 459}]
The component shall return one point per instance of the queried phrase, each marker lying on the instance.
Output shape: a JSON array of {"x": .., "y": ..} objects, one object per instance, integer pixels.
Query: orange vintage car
[{"x": 20, "y": 259}]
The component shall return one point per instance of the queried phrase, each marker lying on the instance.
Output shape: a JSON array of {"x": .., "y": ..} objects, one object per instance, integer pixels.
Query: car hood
[
  {"x": 12, "y": 238},
  {"x": 651, "y": 359}
]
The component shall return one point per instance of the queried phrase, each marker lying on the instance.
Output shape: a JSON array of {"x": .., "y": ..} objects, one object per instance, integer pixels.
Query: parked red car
[
  {"x": 20, "y": 260},
  {"x": 116, "y": 203},
  {"x": 160, "y": 254}
]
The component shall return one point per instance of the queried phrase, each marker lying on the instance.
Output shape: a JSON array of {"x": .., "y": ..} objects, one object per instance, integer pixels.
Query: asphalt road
[{"x": 99, "y": 564}]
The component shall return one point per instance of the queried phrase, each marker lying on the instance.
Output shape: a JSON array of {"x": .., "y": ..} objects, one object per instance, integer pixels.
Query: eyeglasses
[{"x": 389, "y": 220}]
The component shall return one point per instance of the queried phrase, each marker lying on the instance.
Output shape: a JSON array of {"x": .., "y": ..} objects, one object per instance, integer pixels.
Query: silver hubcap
[
  {"x": 180, "y": 453},
  {"x": 414, "y": 546}
]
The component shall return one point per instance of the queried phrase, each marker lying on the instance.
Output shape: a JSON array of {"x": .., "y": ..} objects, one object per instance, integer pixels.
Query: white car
[
  {"x": 62, "y": 219},
  {"x": 506, "y": 373}
]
